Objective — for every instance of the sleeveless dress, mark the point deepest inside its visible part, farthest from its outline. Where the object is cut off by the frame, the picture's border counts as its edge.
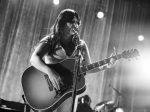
(59, 52)
(58, 55)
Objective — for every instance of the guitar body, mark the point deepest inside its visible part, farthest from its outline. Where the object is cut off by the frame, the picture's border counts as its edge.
(39, 92)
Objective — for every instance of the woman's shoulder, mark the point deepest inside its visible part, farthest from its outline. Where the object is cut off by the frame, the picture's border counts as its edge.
(47, 38)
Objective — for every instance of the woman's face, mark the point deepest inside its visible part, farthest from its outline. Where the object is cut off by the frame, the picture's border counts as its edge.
(71, 28)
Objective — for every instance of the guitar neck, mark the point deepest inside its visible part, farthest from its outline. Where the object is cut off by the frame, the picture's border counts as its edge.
(99, 63)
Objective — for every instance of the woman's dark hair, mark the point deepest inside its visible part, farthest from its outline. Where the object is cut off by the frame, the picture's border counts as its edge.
(65, 16)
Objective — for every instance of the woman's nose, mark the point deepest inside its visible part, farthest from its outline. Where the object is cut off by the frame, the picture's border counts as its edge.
(75, 27)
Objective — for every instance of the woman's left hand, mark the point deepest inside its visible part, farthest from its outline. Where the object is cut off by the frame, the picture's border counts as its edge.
(112, 60)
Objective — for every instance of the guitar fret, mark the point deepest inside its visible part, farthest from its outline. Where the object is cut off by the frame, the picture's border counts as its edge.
(106, 61)
(100, 63)
(89, 67)
(93, 65)
(96, 64)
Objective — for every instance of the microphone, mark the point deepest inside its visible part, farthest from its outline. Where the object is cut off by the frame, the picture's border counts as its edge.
(75, 38)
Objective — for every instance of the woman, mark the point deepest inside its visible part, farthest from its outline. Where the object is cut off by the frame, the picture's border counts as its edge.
(61, 44)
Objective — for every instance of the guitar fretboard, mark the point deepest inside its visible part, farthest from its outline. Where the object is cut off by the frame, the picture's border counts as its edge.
(99, 63)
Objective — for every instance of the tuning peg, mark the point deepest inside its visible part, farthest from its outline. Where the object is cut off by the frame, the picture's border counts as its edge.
(138, 58)
(115, 51)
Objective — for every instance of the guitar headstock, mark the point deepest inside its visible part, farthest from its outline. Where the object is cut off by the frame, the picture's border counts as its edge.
(130, 53)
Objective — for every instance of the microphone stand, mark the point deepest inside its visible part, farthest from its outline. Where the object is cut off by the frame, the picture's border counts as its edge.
(118, 95)
(115, 90)
(75, 78)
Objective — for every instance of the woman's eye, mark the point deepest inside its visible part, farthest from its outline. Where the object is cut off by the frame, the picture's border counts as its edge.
(69, 24)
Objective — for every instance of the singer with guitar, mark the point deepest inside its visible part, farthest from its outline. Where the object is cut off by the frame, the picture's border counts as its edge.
(48, 59)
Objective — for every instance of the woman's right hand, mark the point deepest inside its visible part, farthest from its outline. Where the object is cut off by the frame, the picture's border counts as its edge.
(54, 78)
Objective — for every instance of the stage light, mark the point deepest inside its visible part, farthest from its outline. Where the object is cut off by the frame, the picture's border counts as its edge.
(101, 9)
(100, 14)
(140, 37)
(56, 2)
(119, 110)
(138, 78)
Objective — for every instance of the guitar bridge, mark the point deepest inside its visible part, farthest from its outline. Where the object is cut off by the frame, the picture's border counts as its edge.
(50, 86)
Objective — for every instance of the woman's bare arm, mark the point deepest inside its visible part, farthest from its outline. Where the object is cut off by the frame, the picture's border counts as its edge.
(37, 61)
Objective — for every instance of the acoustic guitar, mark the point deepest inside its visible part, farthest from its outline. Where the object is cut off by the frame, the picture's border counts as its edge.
(39, 91)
